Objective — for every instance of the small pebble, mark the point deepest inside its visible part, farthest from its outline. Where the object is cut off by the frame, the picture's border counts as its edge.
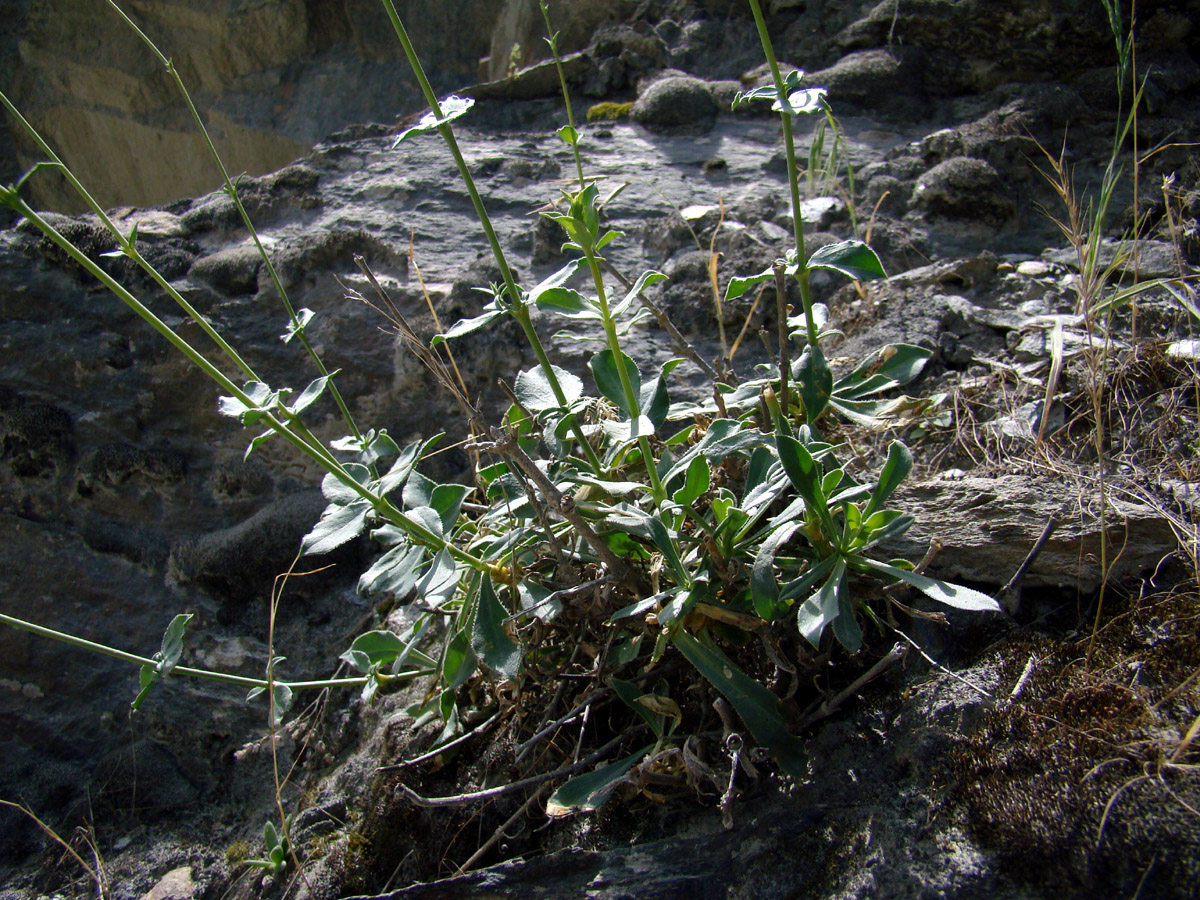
(1033, 268)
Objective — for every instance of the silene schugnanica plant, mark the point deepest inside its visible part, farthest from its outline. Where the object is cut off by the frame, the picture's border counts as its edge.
(613, 540)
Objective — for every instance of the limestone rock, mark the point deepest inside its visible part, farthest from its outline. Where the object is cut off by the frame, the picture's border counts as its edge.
(987, 526)
(677, 102)
(175, 885)
(963, 187)
(232, 271)
(90, 87)
(881, 79)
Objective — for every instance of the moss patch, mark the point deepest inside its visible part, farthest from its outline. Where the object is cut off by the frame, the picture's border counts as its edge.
(608, 112)
(1086, 778)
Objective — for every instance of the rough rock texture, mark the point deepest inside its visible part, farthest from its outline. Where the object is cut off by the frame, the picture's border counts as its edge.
(677, 102)
(124, 496)
(987, 526)
(270, 77)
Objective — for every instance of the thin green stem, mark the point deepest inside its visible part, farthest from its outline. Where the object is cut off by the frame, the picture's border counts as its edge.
(631, 398)
(297, 326)
(785, 363)
(517, 303)
(789, 145)
(314, 449)
(106, 650)
(127, 246)
(552, 40)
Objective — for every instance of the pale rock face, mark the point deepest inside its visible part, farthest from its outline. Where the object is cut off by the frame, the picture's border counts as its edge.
(271, 77)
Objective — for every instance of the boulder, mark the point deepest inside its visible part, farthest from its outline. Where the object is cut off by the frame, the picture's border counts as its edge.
(963, 188)
(676, 103)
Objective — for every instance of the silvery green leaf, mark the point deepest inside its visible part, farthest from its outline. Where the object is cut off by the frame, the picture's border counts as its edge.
(535, 393)
(606, 374)
(739, 286)
(337, 491)
(452, 107)
(303, 317)
(823, 607)
(802, 102)
(761, 710)
(172, 644)
(256, 442)
(397, 571)
(489, 640)
(309, 395)
(490, 314)
(260, 396)
(587, 793)
(791, 81)
(338, 525)
(942, 591)
(645, 280)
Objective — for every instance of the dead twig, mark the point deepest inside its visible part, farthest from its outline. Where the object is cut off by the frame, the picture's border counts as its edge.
(679, 342)
(1009, 596)
(523, 749)
(436, 751)
(502, 831)
(505, 445)
(474, 796)
(827, 708)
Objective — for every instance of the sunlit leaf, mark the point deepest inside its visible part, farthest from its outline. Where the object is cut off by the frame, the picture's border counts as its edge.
(791, 81)
(802, 102)
(805, 474)
(654, 400)
(375, 647)
(282, 696)
(309, 395)
(534, 391)
(696, 482)
(814, 381)
(587, 793)
(303, 317)
(822, 608)
(337, 491)
(440, 580)
(165, 660)
(171, 648)
(852, 258)
(645, 280)
(452, 107)
(465, 326)
(764, 588)
(895, 470)
(403, 466)
(260, 396)
(886, 368)
(950, 594)
(738, 286)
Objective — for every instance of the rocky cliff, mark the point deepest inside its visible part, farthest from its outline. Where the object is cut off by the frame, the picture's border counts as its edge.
(124, 496)
(271, 77)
